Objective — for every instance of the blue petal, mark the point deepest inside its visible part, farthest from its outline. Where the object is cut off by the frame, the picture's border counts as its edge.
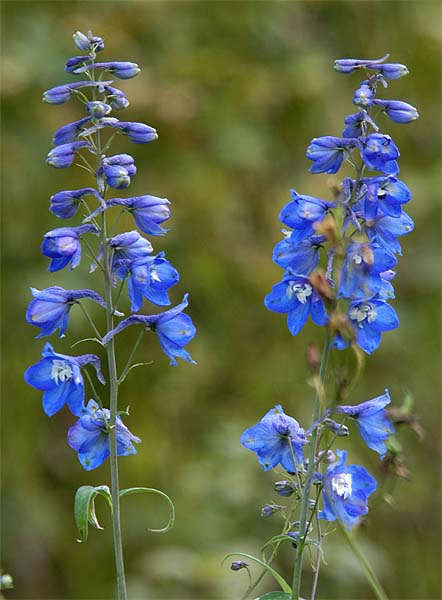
(297, 317)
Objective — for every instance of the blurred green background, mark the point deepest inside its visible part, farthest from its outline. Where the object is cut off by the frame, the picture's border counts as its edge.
(236, 91)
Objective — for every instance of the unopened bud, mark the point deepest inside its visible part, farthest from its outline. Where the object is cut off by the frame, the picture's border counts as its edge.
(269, 509)
(338, 429)
(237, 565)
(284, 488)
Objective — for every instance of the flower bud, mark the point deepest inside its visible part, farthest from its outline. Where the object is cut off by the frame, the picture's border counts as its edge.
(81, 41)
(269, 509)
(138, 133)
(63, 156)
(284, 488)
(116, 98)
(73, 63)
(398, 111)
(363, 96)
(237, 565)
(393, 70)
(326, 456)
(338, 429)
(116, 177)
(98, 109)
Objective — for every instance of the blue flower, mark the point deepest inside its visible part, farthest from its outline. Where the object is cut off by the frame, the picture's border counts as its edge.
(138, 133)
(360, 275)
(51, 307)
(346, 491)
(368, 320)
(348, 65)
(63, 156)
(303, 212)
(127, 247)
(59, 377)
(379, 153)
(327, 153)
(74, 62)
(98, 109)
(363, 96)
(147, 211)
(384, 193)
(384, 230)
(398, 111)
(274, 439)
(173, 328)
(357, 123)
(68, 133)
(373, 421)
(63, 246)
(88, 42)
(150, 277)
(295, 295)
(116, 98)
(301, 256)
(65, 204)
(118, 170)
(62, 93)
(121, 69)
(89, 436)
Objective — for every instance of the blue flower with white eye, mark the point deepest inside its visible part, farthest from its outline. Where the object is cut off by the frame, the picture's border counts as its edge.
(89, 437)
(173, 328)
(127, 247)
(296, 296)
(59, 377)
(151, 277)
(63, 246)
(379, 153)
(384, 230)
(369, 318)
(363, 96)
(345, 491)
(51, 307)
(374, 424)
(328, 153)
(277, 439)
(383, 193)
(360, 275)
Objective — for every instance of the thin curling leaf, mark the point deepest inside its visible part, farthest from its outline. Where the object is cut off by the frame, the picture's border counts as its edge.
(84, 508)
(141, 490)
(276, 596)
(278, 578)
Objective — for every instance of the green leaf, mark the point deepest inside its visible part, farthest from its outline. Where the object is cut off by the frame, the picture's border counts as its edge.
(84, 508)
(92, 339)
(140, 490)
(276, 596)
(282, 582)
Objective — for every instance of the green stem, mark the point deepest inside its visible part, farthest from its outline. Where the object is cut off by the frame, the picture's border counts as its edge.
(89, 318)
(369, 573)
(296, 584)
(129, 360)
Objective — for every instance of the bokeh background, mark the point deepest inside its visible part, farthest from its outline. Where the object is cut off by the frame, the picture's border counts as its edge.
(236, 91)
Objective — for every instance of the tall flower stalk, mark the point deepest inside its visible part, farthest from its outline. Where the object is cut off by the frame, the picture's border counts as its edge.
(338, 257)
(124, 258)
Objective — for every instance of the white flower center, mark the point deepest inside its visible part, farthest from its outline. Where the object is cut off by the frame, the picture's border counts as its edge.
(61, 371)
(154, 275)
(341, 485)
(361, 312)
(301, 290)
(357, 259)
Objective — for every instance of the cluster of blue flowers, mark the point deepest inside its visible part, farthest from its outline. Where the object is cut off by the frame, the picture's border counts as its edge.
(127, 257)
(338, 258)
(358, 256)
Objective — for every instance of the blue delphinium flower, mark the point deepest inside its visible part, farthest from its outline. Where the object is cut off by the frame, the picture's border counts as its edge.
(63, 247)
(150, 277)
(98, 109)
(65, 204)
(327, 153)
(51, 307)
(385, 229)
(373, 421)
(303, 212)
(118, 170)
(345, 492)
(63, 156)
(398, 111)
(89, 436)
(360, 275)
(68, 133)
(379, 153)
(173, 328)
(383, 193)
(296, 296)
(127, 247)
(59, 377)
(116, 98)
(369, 319)
(301, 256)
(276, 439)
(138, 133)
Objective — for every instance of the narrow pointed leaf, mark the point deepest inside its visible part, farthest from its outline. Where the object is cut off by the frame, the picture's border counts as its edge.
(140, 490)
(84, 508)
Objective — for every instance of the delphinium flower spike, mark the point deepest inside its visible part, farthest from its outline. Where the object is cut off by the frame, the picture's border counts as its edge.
(119, 258)
(338, 258)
